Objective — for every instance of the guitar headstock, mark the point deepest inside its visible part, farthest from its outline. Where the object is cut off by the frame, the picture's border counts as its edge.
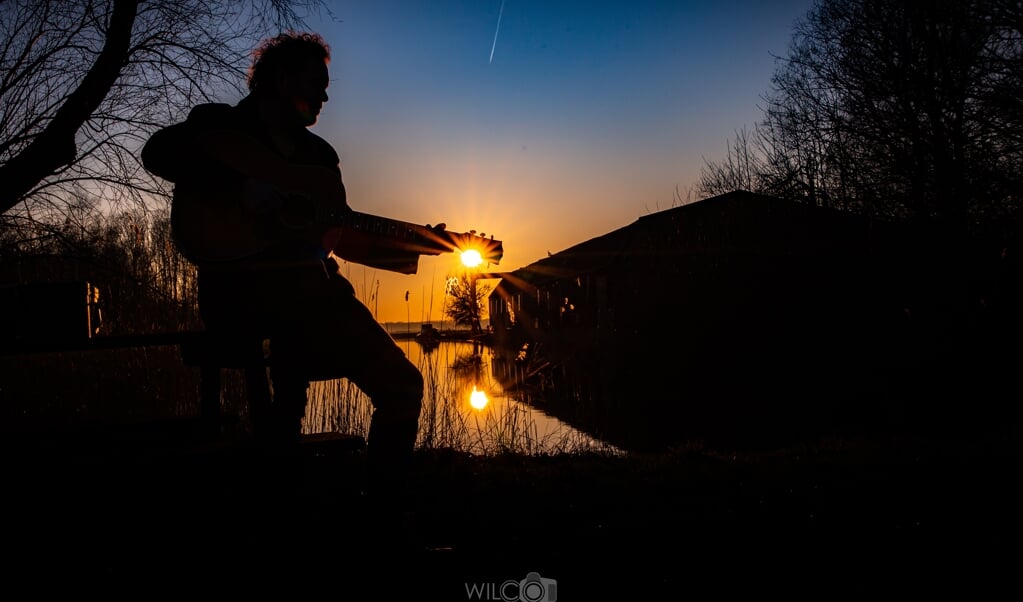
(490, 249)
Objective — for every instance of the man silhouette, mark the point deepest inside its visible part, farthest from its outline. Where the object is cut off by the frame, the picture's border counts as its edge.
(248, 180)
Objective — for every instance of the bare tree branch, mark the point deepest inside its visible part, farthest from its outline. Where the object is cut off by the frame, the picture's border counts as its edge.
(84, 82)
(55, 146)
(895, 109)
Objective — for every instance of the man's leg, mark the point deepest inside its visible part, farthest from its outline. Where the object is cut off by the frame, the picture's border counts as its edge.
(282, 429)
(339, 337)
(395, 388)
(389, 450)
(367, 356)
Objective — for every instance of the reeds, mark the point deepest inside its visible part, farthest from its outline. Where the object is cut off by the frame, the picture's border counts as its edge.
(448, 421)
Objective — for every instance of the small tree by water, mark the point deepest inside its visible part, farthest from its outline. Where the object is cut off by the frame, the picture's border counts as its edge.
(467, 300)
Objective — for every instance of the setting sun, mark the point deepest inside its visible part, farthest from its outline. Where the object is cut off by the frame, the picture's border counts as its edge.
(471, 258)
(478, 399)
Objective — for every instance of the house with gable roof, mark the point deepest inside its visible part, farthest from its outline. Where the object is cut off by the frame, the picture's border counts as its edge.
(739, 313)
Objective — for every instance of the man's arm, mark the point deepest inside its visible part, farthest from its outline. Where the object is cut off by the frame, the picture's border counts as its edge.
(173, 154)
(250, 158)
(202, 140)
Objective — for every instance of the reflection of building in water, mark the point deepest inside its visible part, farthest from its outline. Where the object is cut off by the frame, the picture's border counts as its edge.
(737, 314)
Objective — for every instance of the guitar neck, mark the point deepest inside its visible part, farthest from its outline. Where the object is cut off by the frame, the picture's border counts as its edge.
(396, 245)
(210, 229)
(430, 241)
(400, 232)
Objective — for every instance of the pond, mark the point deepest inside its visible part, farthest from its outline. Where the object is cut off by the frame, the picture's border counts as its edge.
(464, 408)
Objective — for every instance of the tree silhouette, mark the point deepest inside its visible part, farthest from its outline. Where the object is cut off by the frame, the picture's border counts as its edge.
(83, 83)
(900, 109)
(468, 300)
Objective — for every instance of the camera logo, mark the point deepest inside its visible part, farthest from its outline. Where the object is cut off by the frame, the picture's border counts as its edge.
(535, 588)
(532, 588)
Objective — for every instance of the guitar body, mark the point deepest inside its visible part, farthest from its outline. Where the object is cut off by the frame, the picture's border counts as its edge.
(210, 228)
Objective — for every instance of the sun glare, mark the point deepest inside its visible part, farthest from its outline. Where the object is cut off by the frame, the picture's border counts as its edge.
(471, 258)
(478, 399)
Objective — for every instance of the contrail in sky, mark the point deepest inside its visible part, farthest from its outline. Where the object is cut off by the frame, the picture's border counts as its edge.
(496, 31)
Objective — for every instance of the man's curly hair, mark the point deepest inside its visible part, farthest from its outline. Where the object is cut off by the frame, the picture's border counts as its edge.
(283, 51)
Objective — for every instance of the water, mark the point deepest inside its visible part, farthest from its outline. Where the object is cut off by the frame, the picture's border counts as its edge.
(455, 373)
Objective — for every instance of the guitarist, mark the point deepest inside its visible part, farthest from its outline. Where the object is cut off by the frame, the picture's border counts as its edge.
(245, 179)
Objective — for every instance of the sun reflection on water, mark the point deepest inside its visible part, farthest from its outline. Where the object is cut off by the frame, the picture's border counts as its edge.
(478, 399)
(492, 422)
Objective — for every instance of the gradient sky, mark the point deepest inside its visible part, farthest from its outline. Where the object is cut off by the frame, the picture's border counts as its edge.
(588, 116)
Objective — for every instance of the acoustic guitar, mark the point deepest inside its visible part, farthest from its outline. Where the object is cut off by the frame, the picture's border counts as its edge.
(211, 228)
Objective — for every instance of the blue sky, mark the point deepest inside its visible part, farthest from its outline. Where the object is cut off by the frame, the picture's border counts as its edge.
(588, 116)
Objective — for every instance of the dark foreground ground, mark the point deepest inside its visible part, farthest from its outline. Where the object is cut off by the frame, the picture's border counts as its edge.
(872, 516)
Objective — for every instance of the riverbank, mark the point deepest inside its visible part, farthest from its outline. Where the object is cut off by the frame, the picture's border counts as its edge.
(836, 517)
(446, 334)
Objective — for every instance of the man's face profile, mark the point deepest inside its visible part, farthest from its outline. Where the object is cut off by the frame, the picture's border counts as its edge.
(305, 88)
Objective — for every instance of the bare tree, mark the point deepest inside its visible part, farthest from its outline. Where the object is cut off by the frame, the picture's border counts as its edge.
(83, 83)
(890, 108)
(468, 300)
(741, 168)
